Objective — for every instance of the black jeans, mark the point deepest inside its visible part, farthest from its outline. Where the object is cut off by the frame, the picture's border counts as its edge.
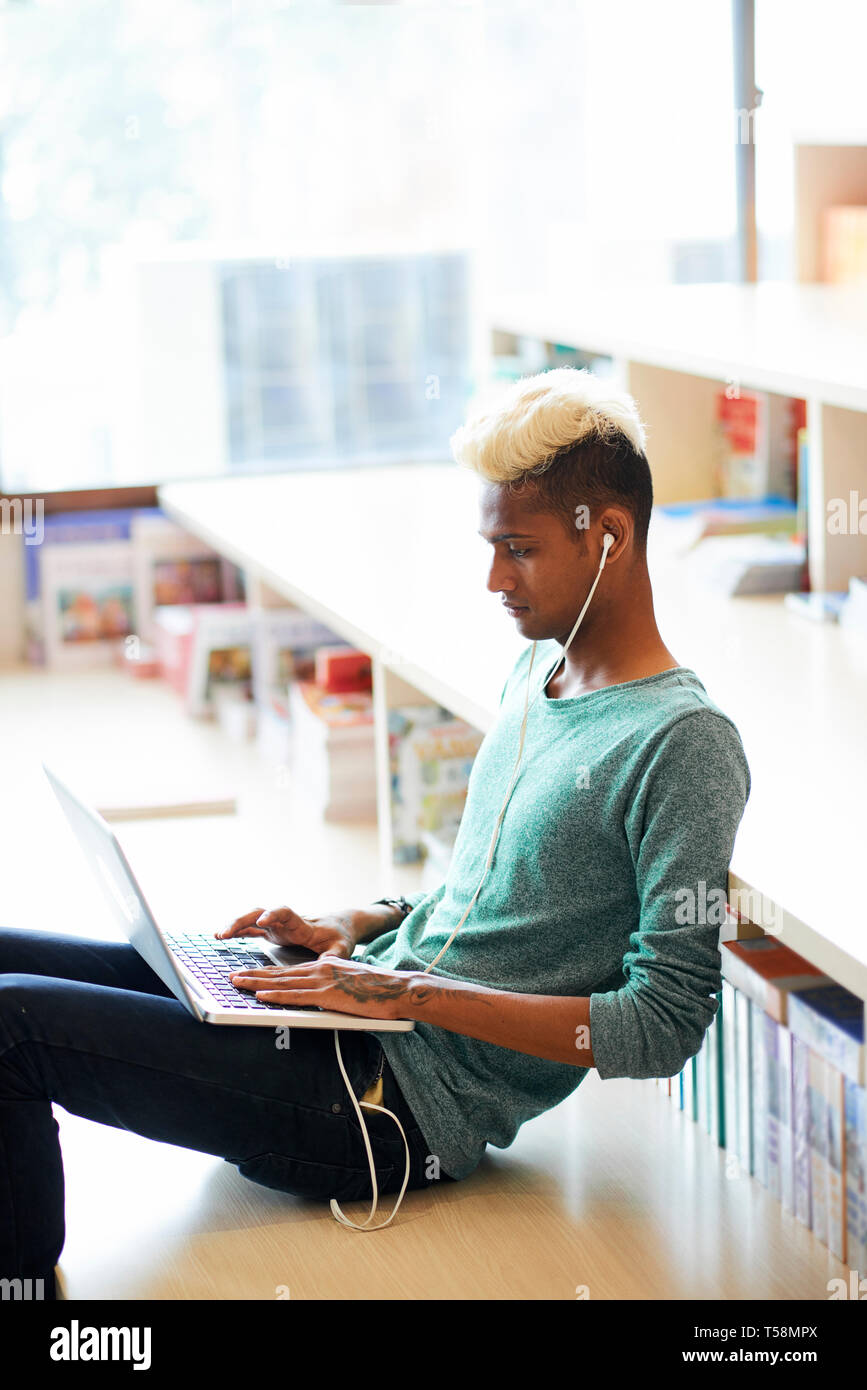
(88, 1024)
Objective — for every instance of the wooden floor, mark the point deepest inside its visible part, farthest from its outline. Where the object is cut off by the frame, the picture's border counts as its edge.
(614, 1195)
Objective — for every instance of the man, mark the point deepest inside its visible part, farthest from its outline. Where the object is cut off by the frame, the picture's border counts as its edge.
(575, 951)
(633, 784)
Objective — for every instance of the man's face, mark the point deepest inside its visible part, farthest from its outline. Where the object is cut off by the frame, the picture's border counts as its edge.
(543, 574)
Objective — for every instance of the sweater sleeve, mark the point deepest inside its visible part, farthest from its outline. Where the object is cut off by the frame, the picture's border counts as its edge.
(680, 822)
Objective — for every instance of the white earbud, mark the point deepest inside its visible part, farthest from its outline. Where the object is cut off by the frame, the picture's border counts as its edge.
(607, 542)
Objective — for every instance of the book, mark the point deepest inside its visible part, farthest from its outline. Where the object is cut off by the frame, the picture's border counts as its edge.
(830, 1019)
(785, 1117)
(855, 1123)
(333, 751)
(434, 761)
(744, 1081)
(407, 838)
(82, 528)
(285, 643)
(817, 607)
(172, 567)
(220, 654)
(87, 603)
(343, 668)
(759, 1096)
(684, 524)
(772, 1081)
(835, 1167)
(801, 1164)
(701, 1084)
(756, 440)
(689, 1090)
(818, 1144)
(173, 642)
(716, 1094)
(767, 971)
(730, 1069)
(737, 566)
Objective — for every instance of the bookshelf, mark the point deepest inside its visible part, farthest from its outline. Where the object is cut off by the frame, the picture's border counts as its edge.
(674, 347)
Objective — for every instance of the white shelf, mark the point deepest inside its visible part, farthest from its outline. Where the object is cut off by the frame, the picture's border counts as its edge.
(798, 340)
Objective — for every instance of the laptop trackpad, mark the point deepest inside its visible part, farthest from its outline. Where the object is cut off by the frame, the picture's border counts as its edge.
(290, 955)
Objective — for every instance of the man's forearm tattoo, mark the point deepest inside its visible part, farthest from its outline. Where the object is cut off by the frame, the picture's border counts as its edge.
(371, 988)
(367, 987)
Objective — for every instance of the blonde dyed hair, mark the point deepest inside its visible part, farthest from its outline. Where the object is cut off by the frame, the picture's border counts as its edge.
(534, 419)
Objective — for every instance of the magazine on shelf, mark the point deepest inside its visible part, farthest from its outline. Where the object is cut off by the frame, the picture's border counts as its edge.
(62, 529)
(173, 567)
(87, 603)
(219, 653)
(285, 642)
(434, 766)
(757, 443)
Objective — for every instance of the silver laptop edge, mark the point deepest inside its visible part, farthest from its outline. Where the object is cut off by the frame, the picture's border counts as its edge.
(112, 870)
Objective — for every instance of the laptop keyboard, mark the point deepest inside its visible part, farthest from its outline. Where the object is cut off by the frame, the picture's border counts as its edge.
(212, 962)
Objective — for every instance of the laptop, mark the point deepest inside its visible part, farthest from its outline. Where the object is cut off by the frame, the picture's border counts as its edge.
(194, 967)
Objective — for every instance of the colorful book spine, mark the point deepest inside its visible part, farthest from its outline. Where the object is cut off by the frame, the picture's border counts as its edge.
(835, 1166)
(689, 1100)
(701, 1084)
(830, 1019)
(730, 1069)
(855, 1118)
(744, 1055)
(772, 1081)
(818, 1137)
(784, 1112)
(715, 1123)
(759, 1155)
(801, 1163)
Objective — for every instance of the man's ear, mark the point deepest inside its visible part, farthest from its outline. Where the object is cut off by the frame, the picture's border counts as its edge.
(616, 522)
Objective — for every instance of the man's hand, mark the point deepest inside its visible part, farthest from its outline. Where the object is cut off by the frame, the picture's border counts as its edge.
(334, 934)
(347, 986)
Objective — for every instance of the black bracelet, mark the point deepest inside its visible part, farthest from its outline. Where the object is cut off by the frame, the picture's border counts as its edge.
(401, 903)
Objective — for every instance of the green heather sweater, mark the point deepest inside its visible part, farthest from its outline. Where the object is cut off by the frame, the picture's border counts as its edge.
(627, 797)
